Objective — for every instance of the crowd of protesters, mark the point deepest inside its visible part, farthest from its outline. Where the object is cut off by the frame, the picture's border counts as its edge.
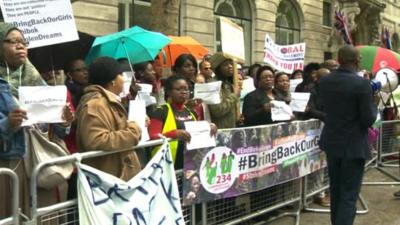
(96, 115)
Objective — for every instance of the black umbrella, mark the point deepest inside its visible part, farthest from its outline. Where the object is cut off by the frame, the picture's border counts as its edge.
(54, 57)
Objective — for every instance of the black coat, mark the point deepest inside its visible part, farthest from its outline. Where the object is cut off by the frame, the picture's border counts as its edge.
(347, 100)
(253, 108)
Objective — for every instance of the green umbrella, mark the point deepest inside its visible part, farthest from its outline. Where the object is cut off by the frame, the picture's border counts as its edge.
(136, 44)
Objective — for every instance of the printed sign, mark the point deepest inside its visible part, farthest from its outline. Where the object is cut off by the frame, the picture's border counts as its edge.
(252, 159)
(232, 39)
(44, 104)
(44, 22)
(286, 58)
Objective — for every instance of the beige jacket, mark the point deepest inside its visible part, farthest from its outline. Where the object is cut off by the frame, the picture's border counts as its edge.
(102, 125)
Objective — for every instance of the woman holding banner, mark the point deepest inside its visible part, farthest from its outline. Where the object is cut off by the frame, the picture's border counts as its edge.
(168, 120)
(102, 121)
(257, 104)
(15, 71)
(282, 87)
(224, 114)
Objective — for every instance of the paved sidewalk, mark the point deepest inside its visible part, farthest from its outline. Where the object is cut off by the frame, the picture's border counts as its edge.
(384, 209)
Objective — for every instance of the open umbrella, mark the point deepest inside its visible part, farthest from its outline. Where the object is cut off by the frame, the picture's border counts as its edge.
(181, 45)
(54, 57)
(136, 44)
(373, 58)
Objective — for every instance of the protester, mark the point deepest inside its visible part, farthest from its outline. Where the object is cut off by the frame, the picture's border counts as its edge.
(347, 100)
(252, 71)
(314, 107)
(77, 79)
(186, 65)
(225, 114)
(16, 71)
(297, 74)
(205, 70)
(330, 64)
(282, 87)
(309, 75)
(158, 83)
(168, 120)
(257, 104)
(145, 73)
(102, 121)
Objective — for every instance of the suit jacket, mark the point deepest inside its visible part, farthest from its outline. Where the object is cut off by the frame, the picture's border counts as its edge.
(253, 108)
(347, 100)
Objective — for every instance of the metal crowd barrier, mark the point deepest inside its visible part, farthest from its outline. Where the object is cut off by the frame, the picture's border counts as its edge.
(248, 206)
(15, 197)
(318, 182)
(388, 153)
(65, 213)
(225, 211)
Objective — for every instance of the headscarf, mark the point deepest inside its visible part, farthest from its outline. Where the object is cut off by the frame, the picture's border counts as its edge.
(25, 75)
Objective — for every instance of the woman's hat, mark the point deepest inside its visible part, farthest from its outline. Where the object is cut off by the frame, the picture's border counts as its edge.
(103, 70)
(217, 59)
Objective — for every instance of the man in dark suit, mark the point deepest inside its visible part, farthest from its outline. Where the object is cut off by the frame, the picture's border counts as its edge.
(347, 100)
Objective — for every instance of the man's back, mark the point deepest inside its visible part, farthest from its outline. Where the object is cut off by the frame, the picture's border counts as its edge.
(347, 101)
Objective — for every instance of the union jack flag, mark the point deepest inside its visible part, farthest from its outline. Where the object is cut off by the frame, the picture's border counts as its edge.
(342, 28)
(387, 42)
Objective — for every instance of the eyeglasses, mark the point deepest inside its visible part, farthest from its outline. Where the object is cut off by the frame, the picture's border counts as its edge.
(15, 42)
(82, 69)
(182, 90)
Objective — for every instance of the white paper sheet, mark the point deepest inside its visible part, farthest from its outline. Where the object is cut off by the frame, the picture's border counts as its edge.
(44, 104)
(200, 135)
(137, 113)
(248, 85)
(127, 83)
(294, 83)
(299, 101)
(280, 111)
(208, 92)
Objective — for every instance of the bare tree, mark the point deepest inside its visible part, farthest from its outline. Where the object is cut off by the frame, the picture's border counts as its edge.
(165, 16)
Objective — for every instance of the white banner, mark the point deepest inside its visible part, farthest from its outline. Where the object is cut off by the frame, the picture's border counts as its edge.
(151, 197)
(200, 133)
(208, 92)
(232, 39)
(286, 58)
(137, 113)
(299, 101)
(44, 104)
(281, 111)
(44, 22)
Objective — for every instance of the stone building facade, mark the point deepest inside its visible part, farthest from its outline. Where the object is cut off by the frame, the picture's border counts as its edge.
(289, 21)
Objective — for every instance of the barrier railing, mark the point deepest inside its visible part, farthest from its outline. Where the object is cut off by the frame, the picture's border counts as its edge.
(388, 153)
(15, 197)
(225, 211)
(258, 203)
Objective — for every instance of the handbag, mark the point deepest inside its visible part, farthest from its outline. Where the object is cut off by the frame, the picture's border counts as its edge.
(42, 147)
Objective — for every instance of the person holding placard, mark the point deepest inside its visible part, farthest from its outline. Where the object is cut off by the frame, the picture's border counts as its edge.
(15, 71)
(168, 120)
(102, 121)
(281, 87)
(225, 115)
(257, 104)
(186, 66)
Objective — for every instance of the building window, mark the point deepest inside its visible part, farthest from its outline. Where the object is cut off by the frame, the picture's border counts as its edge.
(287, 24)
(238, 11)
(327, 13)
(138, 13)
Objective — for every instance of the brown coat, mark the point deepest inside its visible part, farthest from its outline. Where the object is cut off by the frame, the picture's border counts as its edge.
(102, 125)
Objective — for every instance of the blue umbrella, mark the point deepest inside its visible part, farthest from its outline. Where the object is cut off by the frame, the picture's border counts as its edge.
(136, 44)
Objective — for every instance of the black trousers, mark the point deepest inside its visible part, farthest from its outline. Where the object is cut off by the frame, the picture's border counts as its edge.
(345, 178)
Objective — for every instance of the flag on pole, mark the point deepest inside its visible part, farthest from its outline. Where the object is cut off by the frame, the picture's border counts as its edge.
(386, 40)
(342, 28)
